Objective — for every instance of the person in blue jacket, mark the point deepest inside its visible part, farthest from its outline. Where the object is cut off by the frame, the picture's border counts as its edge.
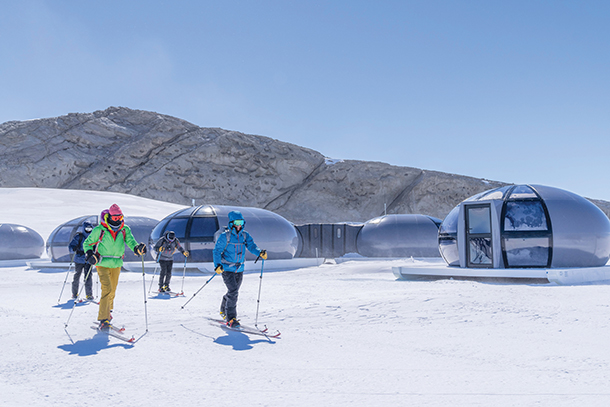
(80, 265)
(229, 257)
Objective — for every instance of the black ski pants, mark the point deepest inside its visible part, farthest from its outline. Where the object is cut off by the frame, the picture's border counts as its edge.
(84, 270)
(166, 272)
(229, 300)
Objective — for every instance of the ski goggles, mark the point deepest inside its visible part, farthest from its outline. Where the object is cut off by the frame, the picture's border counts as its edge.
(238, 222)
(116, 218)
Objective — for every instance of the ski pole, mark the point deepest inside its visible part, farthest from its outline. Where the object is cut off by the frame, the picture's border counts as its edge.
(258, 300)
(153, 279)
(206, 283)
(183, 274)
(77, 296)
(154, 273)
(66, 279)
(144, 289)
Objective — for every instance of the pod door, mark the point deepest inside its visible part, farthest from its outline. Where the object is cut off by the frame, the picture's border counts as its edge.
(478, 235)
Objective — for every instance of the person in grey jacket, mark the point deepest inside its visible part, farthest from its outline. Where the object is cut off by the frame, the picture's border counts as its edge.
(166, 246)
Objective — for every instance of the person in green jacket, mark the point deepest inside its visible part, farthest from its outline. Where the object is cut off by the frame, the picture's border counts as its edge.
(105, 248)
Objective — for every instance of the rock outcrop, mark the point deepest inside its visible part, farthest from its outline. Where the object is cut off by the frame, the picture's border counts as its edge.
(161, 157)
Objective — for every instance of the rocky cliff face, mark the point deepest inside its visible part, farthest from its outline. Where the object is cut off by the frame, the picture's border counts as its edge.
(165, 158)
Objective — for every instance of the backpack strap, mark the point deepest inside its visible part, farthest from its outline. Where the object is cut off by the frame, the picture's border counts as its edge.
(222, 260)
(100, 239)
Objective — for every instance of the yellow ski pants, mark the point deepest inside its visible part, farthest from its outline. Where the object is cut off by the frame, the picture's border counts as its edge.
(109, 278)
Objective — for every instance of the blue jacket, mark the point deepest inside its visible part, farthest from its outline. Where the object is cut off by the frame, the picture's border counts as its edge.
(231, 254)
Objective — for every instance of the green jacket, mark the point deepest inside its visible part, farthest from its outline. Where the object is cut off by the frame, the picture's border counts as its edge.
(111, 249)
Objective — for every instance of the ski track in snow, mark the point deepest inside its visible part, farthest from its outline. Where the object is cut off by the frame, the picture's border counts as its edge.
(351, 335)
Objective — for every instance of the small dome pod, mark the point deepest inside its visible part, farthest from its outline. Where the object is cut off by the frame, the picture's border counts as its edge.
(19, 242)
(399, 236)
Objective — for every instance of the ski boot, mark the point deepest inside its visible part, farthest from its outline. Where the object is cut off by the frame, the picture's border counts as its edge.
(104, 325)
(223, 315)
(233, 323)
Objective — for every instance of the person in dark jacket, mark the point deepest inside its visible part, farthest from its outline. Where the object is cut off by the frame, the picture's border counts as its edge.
(166, 246)
(229, 257)
(80, 265)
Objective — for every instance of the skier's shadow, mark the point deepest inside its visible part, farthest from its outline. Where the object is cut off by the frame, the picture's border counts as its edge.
(238, 340)
(70, 304)
(163, 297)
(92, 346)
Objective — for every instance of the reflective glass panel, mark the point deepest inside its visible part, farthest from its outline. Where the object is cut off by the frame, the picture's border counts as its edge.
(63, 235)
(205, 210)
(479, 220)
(522, 191)
(495, 194)
(450, 224)
(203, 227)
(527, 252)
(201, 251)
(178, 225)
(525, 216)
(480, 250)
(477, 196)
(449, 250)
(158, 230)
(185, 212)
(61, 253)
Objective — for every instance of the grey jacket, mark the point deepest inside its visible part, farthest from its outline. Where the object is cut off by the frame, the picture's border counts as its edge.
(166, 249)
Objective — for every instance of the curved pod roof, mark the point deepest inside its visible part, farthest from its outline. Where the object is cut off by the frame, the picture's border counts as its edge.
(19, 242)
(399, 236)
(195, 228)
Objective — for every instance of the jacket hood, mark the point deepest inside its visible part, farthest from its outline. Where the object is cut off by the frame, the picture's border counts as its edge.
(235, 215)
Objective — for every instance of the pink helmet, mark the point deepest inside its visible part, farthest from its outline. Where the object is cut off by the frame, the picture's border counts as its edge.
(115, 210)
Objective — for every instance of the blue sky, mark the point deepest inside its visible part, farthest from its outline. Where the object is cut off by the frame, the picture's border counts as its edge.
(514, 91)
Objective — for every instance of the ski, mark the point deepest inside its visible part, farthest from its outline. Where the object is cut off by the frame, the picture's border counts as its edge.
(84, 300)
(243, 328)
(114, 328)
(170, 293)
(115, 332)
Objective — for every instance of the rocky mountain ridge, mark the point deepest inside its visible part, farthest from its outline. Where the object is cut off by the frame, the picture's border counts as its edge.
(165, 158)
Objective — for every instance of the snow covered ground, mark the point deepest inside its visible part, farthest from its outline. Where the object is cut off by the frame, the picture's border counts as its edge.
(351, 335)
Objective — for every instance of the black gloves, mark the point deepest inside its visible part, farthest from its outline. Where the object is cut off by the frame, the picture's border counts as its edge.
(140, 249)
(91, 258)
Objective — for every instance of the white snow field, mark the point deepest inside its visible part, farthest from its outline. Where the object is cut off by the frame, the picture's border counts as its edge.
(352, 335)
